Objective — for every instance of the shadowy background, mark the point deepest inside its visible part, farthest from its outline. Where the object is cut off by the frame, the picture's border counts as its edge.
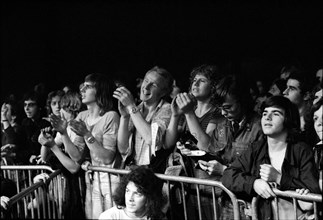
(59, 42)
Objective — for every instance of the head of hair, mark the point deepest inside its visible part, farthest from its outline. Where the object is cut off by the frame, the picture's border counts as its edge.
(281, 84)
(71, 102)
(292, 118)
(234, 86)
(50, 96)
(167, 79)
(34, 96)
(306, 83)
(104, 91)
(211, 72)
(148, 184)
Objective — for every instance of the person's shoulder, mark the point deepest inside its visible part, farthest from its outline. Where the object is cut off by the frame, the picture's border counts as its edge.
(301, 146)
(111, 213)
(82, 114)
(111, 116)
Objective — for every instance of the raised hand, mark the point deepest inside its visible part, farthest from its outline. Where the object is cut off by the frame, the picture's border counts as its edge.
(45, 138)
(122, 109)
(176, 111)
(79, 127)
(4, 111)
(58, 123)
(185, 102)
(124, 96)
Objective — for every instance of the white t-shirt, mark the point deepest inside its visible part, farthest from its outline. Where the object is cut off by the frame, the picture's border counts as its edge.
(115, 214)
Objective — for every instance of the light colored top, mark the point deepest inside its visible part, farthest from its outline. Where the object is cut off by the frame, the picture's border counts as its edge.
(105, 131)
(115, 214)
(161, 117)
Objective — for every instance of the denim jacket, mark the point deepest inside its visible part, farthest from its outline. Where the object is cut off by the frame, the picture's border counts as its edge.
(226, 146)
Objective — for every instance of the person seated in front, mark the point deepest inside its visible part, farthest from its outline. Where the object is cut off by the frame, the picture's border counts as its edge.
(138, 196)
(279, 160)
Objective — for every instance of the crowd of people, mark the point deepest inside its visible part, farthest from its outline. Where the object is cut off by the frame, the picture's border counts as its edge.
(253, 138)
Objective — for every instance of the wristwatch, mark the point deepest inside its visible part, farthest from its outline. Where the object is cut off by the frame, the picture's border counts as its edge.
(90, 139)
(133, 109)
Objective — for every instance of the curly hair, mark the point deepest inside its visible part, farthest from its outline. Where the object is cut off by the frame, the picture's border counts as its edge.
(212, 73)
(50, 96)
(148, 184)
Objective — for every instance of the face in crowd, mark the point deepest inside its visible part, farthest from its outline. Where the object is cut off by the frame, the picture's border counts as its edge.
(55, 105)
(88, 93)
(231, 108)
(201, 87)
(152, 88)
(135, 200)
(293, 92)
(317, 118)
(31, 108)
(272, 121)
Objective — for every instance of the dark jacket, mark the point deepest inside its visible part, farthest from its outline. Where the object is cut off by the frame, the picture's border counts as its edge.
(298, 171)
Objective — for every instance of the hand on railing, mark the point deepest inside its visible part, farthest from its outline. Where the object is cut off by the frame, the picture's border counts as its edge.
(85, 165)
(41, 177)
(263, 189)
(304, 205)
(4, 202)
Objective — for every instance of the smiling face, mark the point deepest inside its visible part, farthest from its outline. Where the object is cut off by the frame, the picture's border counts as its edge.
(88, 92)
(201, 87)
(135, 201)
(152, 88)
(272, 121)
(317, 118)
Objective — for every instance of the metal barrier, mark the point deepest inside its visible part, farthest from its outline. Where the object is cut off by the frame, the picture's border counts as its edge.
(23, 175)
(182, 181)
(42, 200)
(311, 197)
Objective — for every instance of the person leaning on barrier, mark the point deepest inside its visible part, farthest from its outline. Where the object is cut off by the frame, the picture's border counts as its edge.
(234, 132)
(53, 153)
(279, 160)
(138, 196)
(97, 127)
(136, 134)
(192, 113)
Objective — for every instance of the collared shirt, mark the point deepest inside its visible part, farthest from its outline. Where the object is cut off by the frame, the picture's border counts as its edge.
(161, 116)
(227, 146)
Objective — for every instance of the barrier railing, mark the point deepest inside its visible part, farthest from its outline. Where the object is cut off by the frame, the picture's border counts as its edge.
(23, 175)
(42, 200)
(316, 199)
(181, 180)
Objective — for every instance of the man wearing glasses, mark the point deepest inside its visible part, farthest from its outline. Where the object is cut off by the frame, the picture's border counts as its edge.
(234, 132)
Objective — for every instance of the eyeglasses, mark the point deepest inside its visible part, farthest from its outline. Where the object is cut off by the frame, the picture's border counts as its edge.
(226, 108)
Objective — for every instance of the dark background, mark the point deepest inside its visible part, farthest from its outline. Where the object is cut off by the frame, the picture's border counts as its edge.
(58, 42)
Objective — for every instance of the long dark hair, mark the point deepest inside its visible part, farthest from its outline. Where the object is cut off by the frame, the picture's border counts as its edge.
(104, 91)
(148, 184)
